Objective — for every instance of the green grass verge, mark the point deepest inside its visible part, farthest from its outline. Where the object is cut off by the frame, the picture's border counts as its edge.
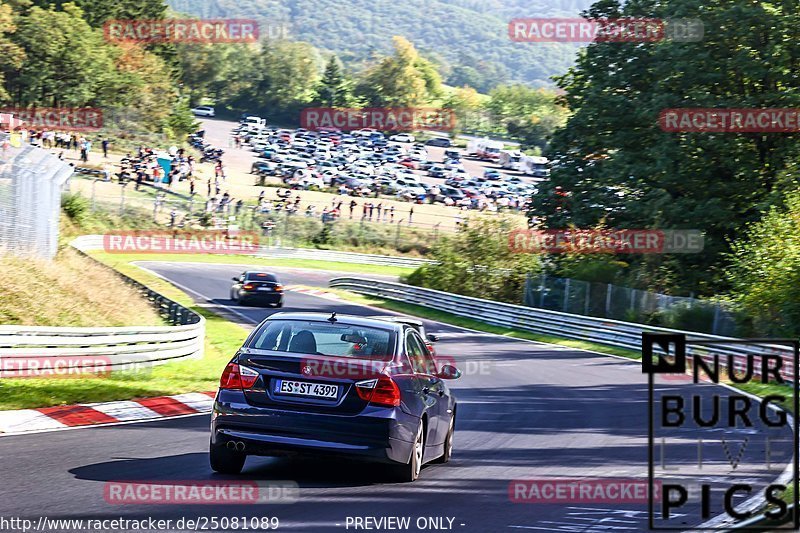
(119, 259)
(455, 320)
(223, 338)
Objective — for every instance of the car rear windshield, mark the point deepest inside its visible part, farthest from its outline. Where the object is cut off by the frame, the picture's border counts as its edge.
(323, 338)
(260, 276)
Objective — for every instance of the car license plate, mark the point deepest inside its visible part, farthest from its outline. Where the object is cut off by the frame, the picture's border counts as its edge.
(265, 288)
(303, 388)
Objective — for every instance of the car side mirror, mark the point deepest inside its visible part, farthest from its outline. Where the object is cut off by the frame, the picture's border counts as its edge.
(235, 278)
(449, 372)
(433, 338)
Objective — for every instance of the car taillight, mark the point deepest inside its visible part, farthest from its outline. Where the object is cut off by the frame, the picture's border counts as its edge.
(279, 288)
(380, 391)
(248, 287)
(237, 377)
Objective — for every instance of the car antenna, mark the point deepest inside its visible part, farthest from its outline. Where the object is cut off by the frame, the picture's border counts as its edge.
(332, 319)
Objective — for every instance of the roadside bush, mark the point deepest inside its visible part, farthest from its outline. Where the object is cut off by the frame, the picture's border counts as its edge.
(74, 205)
(600, 268)
(764, 272)
(690, 318)
(477, 261)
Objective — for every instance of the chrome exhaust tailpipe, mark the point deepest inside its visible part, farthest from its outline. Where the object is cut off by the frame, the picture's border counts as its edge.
(240, 446)
(230, 445)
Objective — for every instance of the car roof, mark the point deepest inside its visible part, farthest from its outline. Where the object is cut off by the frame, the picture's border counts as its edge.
(399, 319)
(352, 320)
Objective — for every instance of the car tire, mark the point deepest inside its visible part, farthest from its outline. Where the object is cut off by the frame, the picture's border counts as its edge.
(279, 304)
(225, 461)
(448, 444)
(408, 472)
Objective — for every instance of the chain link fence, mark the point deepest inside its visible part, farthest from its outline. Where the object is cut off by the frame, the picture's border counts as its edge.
(615, 302)
(31, 181)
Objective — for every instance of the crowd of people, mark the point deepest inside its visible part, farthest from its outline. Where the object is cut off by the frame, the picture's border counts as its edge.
(65, 140)
(158, 169)
(163, 169)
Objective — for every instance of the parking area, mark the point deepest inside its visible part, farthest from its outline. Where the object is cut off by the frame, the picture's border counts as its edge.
(370, 165)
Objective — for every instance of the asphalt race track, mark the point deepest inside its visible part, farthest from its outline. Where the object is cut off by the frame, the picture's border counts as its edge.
(526, 411)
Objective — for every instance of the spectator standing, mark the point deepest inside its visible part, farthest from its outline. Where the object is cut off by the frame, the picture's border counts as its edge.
(352, 206)
(410, 214)
(84, 151)
(105, 144)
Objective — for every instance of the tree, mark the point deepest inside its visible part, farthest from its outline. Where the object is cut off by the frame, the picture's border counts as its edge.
(180, 120)
(97, 12)
(478, 261)
(403, 79)
(464, 102)
(618, 166)
(67, 62)
(529, 114)
(141, 88)
(335, 89)
(218, 71)
(283, 80)
(764, 272)
(11, 54)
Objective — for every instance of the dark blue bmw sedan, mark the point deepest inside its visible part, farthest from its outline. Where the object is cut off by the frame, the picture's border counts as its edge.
(327, 385)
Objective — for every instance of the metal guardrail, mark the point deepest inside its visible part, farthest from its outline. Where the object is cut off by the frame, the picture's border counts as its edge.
(95, 242)
(105, 349)
(542, 321)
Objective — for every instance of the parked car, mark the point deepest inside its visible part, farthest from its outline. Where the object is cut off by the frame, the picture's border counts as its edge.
(263, 167)
(203, 111)
(453, 154)
(439, 141)
(409, 163)
(257, 287)
(327, 385)
(491, 174)
(402, 138)
(437, 171)
(449, 192)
